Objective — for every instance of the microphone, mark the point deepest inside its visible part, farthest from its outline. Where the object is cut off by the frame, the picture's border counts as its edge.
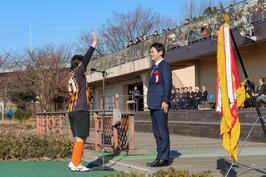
(93, 69)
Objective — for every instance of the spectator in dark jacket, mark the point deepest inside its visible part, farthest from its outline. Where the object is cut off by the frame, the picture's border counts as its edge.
(261, 92)
(191, 98)
(185, 98)
(173, 101)
(204, 96)
(197, 96)
(250, 90)
(178, 98)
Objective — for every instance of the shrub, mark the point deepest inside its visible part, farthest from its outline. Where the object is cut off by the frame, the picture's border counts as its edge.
(21, 114)
(126, 175)
(29, 146)
(170, 172)
(180, 173)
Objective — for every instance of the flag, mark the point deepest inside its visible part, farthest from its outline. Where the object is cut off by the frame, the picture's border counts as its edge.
(230, 94)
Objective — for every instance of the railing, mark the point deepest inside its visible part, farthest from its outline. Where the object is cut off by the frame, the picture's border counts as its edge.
(120, 138)
(129, 103)
(52, 122)
(126, 103)
(133, 103)
(241, 15)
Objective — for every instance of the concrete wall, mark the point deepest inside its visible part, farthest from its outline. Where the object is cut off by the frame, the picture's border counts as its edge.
(124, 69)
(202, 123)
(186, 76)
(254, 58)
(207, 73)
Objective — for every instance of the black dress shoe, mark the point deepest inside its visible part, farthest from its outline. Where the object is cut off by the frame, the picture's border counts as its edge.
(162, 163)
(150, 164)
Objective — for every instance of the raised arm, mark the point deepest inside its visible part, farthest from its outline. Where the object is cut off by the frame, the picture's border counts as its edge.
(87, 56)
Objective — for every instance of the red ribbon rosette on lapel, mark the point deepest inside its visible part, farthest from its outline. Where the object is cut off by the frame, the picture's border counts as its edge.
(156, 74)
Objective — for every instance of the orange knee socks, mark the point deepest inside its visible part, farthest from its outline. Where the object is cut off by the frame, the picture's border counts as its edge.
(77, 152)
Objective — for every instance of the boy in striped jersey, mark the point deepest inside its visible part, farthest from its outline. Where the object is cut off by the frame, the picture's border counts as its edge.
(78, 105)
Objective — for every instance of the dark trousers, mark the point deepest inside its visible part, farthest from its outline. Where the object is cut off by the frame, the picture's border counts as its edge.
(161, 133)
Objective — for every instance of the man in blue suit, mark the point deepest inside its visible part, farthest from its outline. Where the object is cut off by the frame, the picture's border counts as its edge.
(159, 91)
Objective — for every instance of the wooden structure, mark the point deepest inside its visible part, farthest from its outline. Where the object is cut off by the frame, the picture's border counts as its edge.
(120, 138)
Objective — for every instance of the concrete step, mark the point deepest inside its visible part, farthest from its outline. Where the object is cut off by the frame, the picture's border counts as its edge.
(203, 129)
(245, 115)
(201, 123)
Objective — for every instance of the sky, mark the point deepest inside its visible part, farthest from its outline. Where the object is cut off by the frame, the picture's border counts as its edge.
(59, 22)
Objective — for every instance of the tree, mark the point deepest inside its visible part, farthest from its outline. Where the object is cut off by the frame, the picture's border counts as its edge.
(1, 62)
(115, 34)
(40, 75)
(210, 11)
(204, 4)
(191, 9)
(201, 8)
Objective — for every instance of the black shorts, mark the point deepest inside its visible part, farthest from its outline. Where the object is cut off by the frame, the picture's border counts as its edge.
(79, 123)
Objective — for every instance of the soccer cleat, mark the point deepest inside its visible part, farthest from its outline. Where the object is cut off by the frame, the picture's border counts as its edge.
(70, 165)
(80, 167)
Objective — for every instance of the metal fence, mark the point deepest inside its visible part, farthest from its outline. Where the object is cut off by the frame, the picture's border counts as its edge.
(126, 103)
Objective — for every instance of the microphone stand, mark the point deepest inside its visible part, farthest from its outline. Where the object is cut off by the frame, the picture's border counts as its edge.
(103, 167)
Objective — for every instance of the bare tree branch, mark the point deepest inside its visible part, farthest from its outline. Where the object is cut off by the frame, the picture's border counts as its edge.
(123, 27)
(41, 74)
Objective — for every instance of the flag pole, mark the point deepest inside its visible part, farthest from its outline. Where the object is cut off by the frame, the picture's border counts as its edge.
(260, 117)
(249, 84)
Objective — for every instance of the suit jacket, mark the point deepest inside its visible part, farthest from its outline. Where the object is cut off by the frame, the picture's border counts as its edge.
(186, 95)
(160, 91)
(178, 96)
(261, 90)
(197, 95)
(204, 96)
(191, 94)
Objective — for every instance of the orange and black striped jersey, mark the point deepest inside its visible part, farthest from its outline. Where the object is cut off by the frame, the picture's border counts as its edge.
(73, 92)
(77, 90)
(77, 85)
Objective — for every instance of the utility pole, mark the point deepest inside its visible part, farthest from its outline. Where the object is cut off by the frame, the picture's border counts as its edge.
(30, 37)
(5, 103)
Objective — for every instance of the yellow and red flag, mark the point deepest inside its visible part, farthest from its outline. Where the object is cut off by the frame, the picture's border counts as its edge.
(229, 92)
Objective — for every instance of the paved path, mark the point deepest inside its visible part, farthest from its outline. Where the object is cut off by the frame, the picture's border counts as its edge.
(189, 153)
(43, 169)
(192, 153)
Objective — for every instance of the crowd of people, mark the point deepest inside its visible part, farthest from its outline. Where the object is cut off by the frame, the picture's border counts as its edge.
(259, 93)
(199, 28)
(202, 27)
(144, 38)
(186, 98)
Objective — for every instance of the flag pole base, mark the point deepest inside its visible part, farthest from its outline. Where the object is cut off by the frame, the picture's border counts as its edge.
(249, 168)
(226, 172)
